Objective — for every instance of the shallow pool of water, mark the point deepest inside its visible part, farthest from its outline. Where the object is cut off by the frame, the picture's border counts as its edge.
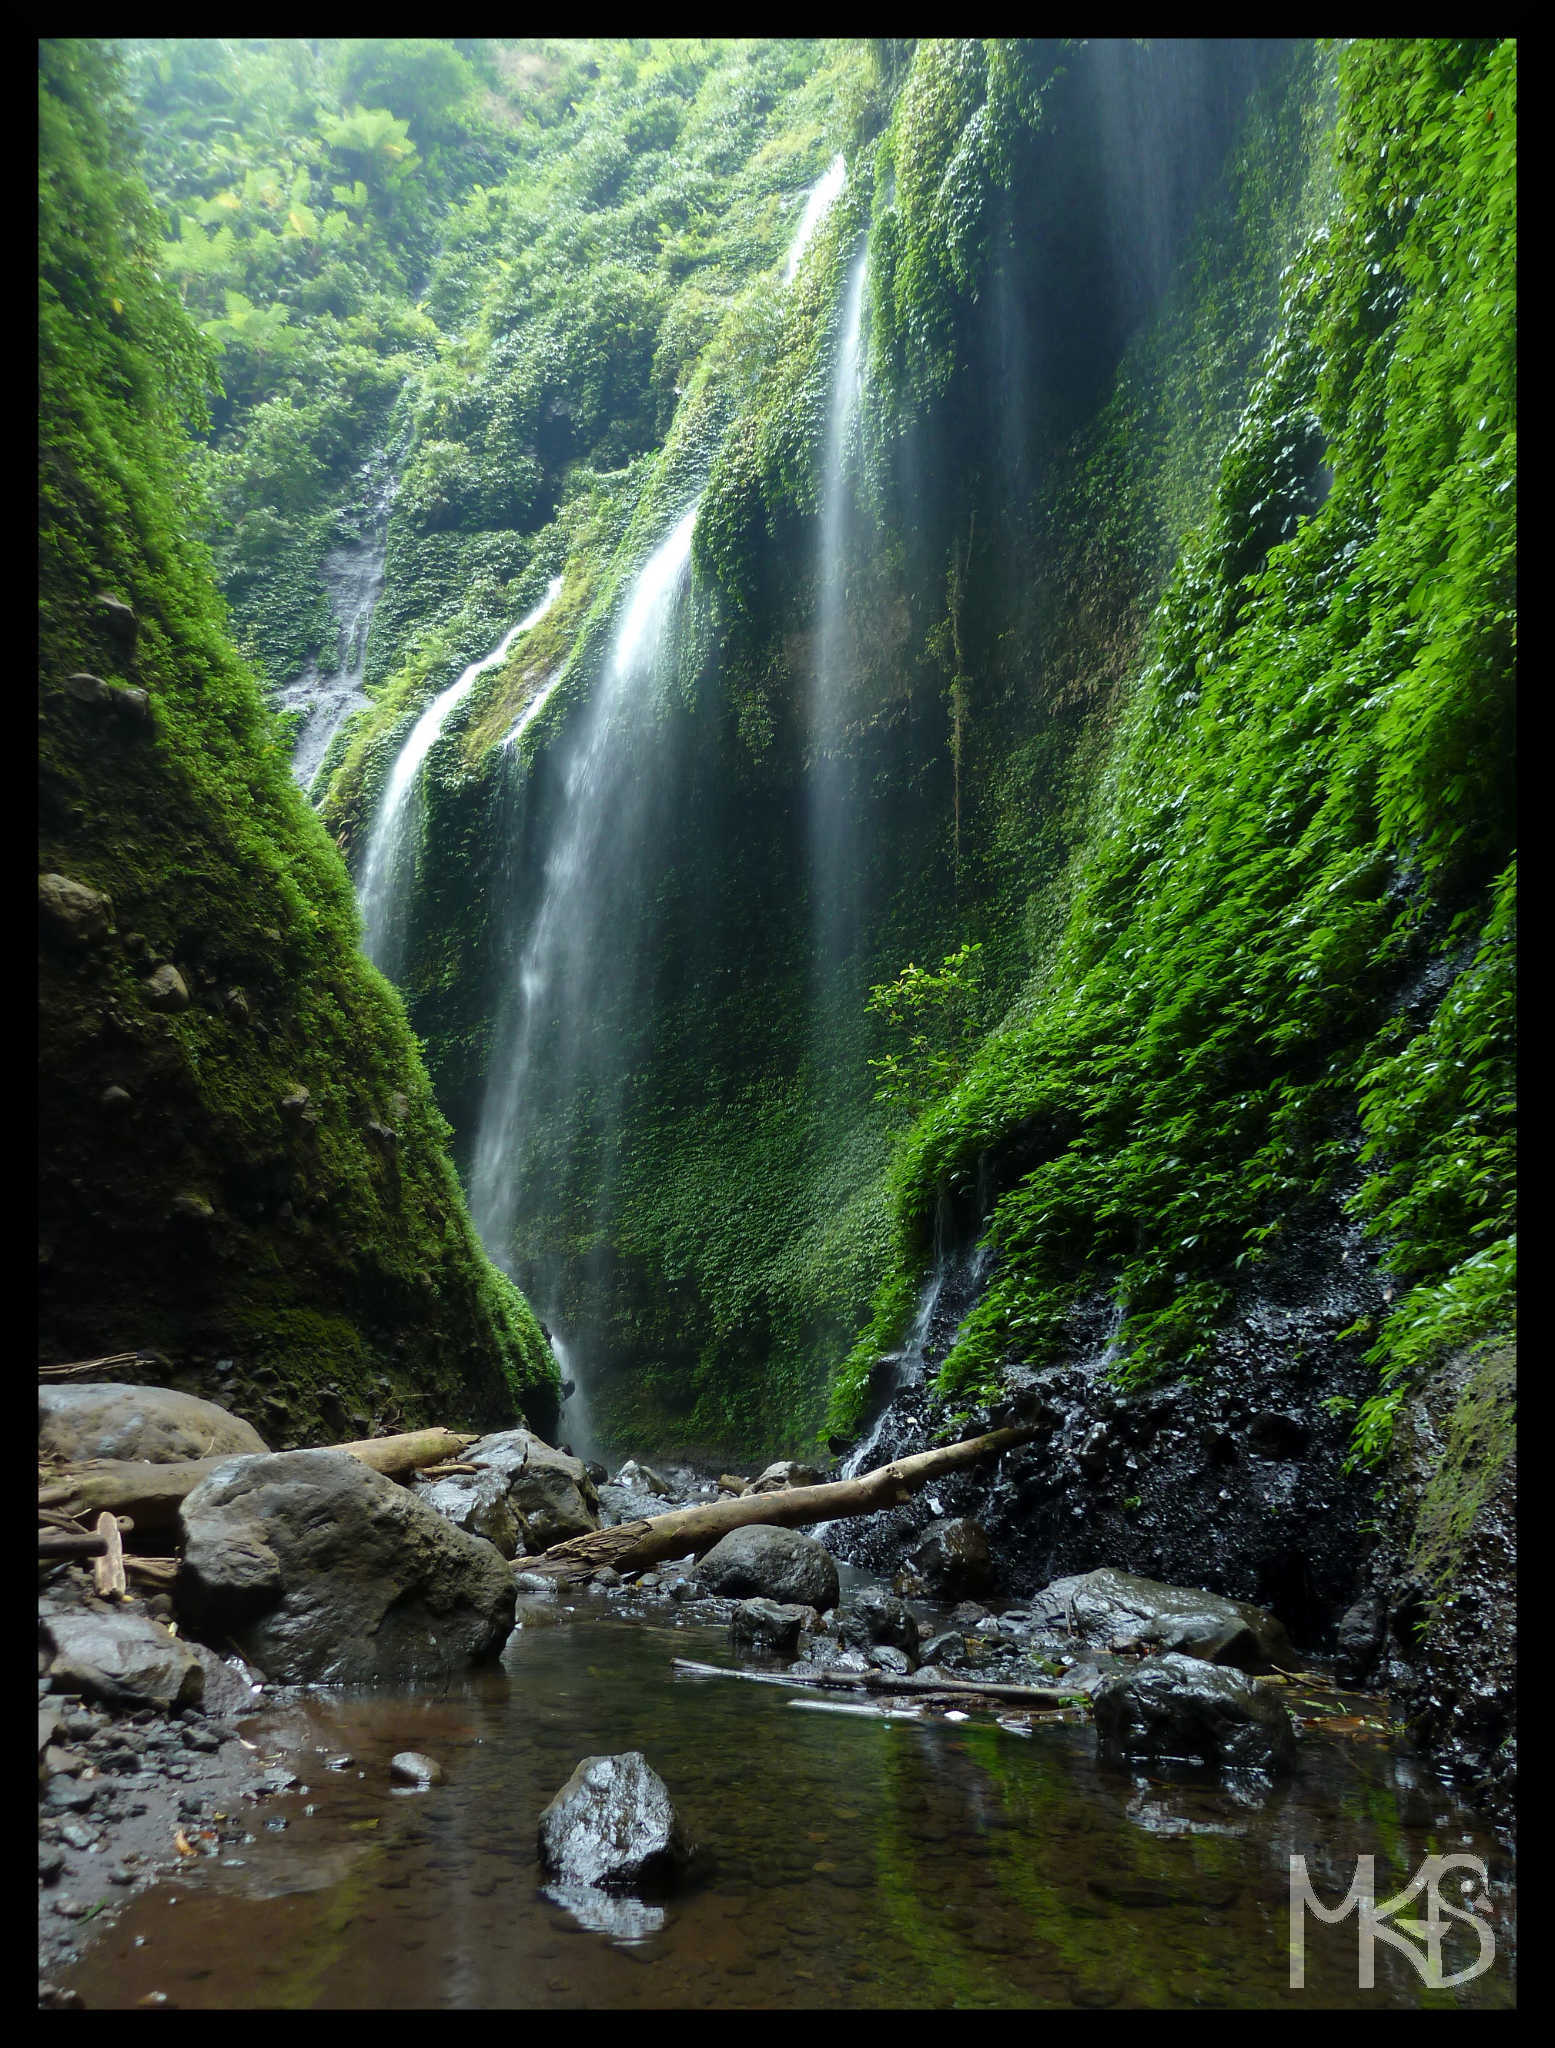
(849, 1860)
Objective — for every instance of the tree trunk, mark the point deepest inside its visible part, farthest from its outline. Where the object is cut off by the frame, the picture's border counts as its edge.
(153, 1494)
(894, 1683)
(633, 1546)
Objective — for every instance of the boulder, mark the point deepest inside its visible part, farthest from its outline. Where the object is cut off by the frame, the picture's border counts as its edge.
(762, 1562)
(71, 912)
(952, 1559)
(1109, 1606)
(322, 1571)
(1180, 1708)
(552, 1492)
(612, 1826)
(151, 1425)
(870, 1617)
(769, 1625)
(121, 1656)
(786, 1472)
(1361, 1630)
(478, 1502)
(117, 616)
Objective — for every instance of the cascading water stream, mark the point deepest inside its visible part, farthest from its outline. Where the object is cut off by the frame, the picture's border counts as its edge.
(822, 197)
(383, 890)
(353, 576)
(567, 967)
(833, 828)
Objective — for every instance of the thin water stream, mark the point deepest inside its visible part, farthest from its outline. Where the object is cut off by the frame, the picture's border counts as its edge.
(850, 1860)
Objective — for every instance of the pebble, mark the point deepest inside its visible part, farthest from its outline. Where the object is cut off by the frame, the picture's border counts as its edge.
(50, 1863)
(410, 1767)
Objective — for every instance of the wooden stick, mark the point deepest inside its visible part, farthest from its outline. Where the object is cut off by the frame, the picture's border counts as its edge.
(108, 1570)
(631, 1546)
(71, 1543)
(85, 1368)
(887, 1681)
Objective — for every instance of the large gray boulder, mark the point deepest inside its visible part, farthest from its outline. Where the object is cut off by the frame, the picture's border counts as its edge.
(1108, 1606)
(320, 1570)
(1180, 1708)
(612, 1826)
(154, 1425)
(121, 1656)
(871, 1618)
(762, 1562)
(552, 1491)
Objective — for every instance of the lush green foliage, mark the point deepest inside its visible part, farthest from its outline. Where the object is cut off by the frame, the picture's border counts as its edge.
(933, 1020)
(1309, 811)
(319, 1257)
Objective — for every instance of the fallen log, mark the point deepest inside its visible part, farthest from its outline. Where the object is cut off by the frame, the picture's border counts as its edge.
(154, 1493)
(889, 1682)
(71, 1543)
(633, 1546)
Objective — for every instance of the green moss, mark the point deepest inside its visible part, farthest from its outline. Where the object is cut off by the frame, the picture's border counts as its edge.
(1479, 1437)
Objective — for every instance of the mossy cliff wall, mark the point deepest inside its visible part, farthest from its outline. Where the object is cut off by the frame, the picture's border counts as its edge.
(241, 1163)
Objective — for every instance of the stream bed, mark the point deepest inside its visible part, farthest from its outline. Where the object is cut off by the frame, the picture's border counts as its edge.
(851, 1858)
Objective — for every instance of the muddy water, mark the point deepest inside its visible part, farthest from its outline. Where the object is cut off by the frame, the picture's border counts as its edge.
(851, 1860)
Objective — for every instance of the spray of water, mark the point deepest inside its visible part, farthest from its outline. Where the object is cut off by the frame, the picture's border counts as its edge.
(822, 197)
(566, 970)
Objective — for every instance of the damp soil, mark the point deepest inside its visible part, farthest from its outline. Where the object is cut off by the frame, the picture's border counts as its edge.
(849, 1858)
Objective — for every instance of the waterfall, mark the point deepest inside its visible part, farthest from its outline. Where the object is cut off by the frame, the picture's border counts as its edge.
(832, 826)
(352, 574)
(817, 206)
(555, 1032)
(382, 892)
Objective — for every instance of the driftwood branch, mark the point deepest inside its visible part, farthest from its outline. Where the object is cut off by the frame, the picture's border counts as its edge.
(93, 1368)
(888, 1682)
(633, 1546)
(154, 1493)
(108, 1570)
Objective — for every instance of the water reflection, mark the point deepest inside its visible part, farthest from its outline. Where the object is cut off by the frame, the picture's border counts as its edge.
(859, 1860)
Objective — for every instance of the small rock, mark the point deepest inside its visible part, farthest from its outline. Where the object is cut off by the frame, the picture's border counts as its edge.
(117, 616)
(75, 1834)
(115, 1098)
(410, 1767)
(72, 912)
(769, 1625)
(166, 989)
(953, 1557)
(612, 1825)
(1182, 1708)
(88, 689)
(51, 1862)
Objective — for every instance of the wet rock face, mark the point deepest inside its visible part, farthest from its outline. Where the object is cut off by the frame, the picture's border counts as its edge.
(1107, 1607)
(612, 1826)
(1234, 1481)
(324, 1572)
(152, 1425)
(1180, 1708)
(478, 1502)
(774, 1564)
(1445, 1574)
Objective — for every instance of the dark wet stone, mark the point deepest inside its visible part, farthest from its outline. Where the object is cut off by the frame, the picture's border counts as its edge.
(322, 1571)
(771, 1625)
(70, 1795)
(51, 1862)
(478, 1503)
(761, 1561)
(1176, 1707)
(872, 1616)
(952, 1557)
(1273, 1435)
(410, 1767)
(1109, 1606)
(886, 1657)
(612, 1825)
